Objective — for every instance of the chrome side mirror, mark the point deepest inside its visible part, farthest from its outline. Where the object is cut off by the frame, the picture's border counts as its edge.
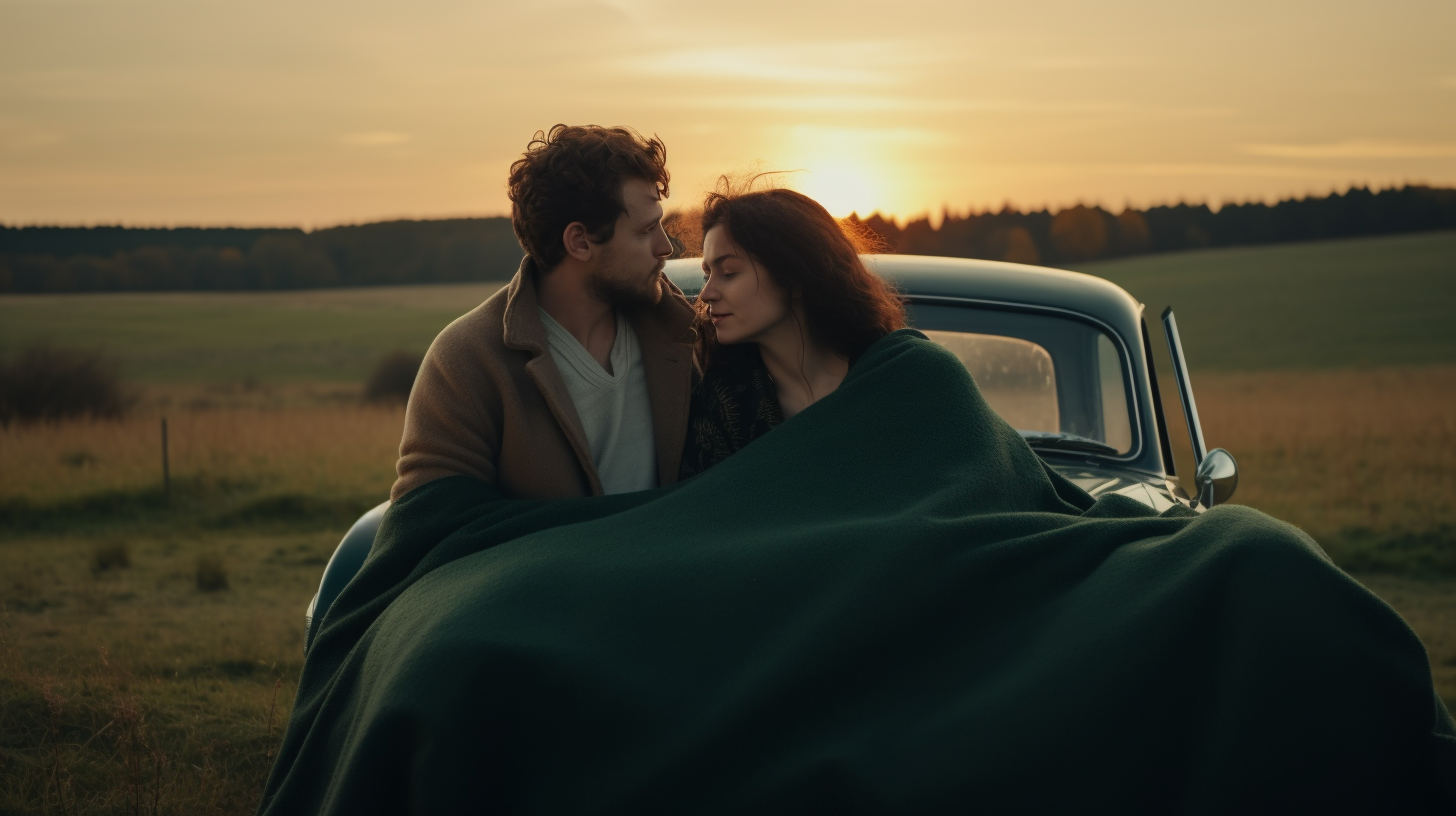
(1217, 477)
(1216, 474)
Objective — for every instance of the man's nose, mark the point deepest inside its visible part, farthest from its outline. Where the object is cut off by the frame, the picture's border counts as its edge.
(664, 244)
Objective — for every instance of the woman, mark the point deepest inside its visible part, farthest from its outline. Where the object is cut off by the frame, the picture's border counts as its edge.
(786, 308)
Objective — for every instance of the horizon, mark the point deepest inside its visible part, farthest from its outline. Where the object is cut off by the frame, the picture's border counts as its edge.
(935, 218)
(321, 114)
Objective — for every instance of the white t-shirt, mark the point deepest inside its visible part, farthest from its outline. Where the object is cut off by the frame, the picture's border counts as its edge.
(613, 408)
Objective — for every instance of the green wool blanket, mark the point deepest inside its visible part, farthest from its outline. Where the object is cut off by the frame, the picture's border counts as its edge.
(886, 605)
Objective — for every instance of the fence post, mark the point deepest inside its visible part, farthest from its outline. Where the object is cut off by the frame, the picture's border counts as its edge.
(166, 471)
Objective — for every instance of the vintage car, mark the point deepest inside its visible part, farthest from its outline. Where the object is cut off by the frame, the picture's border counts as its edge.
(1065, 358)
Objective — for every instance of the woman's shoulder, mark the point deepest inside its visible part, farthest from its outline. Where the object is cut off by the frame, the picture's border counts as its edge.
(900, 342)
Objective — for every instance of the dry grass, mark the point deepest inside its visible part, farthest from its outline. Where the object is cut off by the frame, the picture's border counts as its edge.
(1365, 461)
(132, 690)
(322, 450)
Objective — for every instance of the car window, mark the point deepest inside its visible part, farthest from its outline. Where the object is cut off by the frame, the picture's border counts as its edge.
(1016, 376)
(1042, 373)
(1114, 395)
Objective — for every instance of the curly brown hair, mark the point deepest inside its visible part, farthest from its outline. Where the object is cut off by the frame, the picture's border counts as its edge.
(575, 173)
(808, 253)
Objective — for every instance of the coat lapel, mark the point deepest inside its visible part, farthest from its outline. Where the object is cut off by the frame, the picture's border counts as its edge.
(665, 335)
(524, 331)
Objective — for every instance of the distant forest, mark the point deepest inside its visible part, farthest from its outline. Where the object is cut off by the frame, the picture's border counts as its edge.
(1090, 233)
(114, 259)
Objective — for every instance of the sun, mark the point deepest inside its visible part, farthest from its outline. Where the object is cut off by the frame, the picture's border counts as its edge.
(842, 187)
(845, 169)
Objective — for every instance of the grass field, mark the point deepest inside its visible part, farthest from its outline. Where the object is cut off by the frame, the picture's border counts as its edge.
(332, 335)
(150, 645)
(1363, 302)
(1365, 461)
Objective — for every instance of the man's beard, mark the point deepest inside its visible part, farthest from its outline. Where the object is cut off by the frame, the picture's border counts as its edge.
(628, 293)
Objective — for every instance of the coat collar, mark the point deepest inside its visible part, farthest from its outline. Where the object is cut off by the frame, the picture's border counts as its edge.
(524, 330)
(665, 335)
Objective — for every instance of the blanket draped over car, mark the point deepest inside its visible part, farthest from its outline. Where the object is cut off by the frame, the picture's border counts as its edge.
(888, 604)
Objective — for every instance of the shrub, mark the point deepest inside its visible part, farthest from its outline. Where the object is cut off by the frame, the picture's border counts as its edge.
(43, 383)
(112, 555)
(211, 573)
(393, 377)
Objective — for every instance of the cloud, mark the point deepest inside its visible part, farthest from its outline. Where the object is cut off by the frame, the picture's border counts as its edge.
(895, 103)
(861, 136)
(375, 138)
(17, 135)
(1168, 169)
(1214, 169)
(1356, 149)
(842, 63)
(1071, 63)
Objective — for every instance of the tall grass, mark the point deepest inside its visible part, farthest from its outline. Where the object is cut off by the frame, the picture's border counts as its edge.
(134, 690)
(225, 458)
(1365, 461)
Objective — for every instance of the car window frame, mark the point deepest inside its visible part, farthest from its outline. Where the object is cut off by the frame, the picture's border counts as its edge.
(1129, 382)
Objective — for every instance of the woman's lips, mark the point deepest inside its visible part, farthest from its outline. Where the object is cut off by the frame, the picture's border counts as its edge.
(716, 317)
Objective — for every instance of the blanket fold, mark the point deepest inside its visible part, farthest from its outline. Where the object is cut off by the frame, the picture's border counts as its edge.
(888, 604)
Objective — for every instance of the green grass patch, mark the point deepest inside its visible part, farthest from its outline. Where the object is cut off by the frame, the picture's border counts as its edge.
(138, 691)
(333, 335)
(194, 504)
(1418, 554)
(1355, 302)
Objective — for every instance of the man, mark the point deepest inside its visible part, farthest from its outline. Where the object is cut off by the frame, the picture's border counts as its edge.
(574, 379)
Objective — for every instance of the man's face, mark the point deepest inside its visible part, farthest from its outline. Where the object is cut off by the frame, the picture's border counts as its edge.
(629, 272)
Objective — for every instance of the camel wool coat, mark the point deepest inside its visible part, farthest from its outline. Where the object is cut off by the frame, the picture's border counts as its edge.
(489, 401)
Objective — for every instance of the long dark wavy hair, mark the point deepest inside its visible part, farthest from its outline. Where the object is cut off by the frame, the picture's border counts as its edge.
(809, 254)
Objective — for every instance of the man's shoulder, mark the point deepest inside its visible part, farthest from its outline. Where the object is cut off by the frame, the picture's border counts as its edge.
(479, 331)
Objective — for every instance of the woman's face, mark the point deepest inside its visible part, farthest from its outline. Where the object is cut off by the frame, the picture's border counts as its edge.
(744, 302)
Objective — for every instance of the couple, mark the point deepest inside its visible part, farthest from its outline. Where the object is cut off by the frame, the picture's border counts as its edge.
(893, 608)
(591, 374)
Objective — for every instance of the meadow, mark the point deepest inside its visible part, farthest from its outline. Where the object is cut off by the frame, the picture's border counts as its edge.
(1363, 303)
(325, 335)
(150, 641)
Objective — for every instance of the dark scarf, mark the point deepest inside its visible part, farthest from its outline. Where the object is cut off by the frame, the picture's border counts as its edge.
(735, 403)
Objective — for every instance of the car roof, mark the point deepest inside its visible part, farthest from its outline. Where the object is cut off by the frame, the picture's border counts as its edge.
(927, 277)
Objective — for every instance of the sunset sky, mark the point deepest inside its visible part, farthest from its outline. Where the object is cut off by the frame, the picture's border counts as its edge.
(320, 113)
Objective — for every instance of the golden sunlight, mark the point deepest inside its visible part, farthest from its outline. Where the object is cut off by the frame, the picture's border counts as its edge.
(841, 186)
(850, 170)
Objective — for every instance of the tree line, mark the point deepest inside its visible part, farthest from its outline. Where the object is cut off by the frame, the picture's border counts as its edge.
(1084, 233)
(115, 259)
(111, 259)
